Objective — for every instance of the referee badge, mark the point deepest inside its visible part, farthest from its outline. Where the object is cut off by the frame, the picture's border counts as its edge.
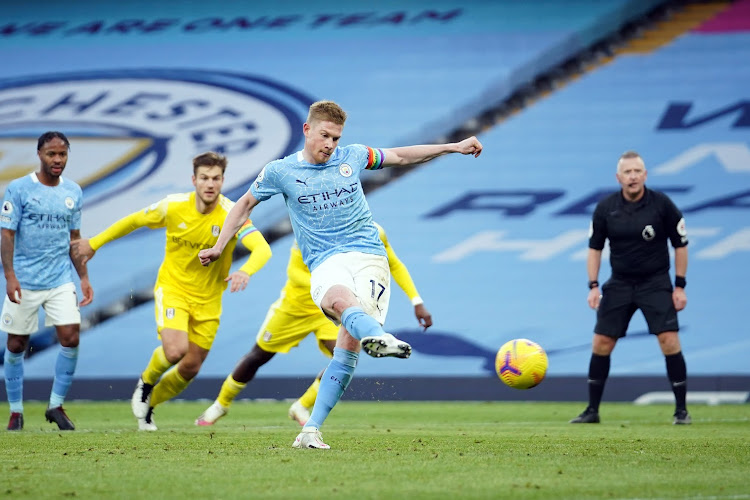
(682, 230)
(648, 233)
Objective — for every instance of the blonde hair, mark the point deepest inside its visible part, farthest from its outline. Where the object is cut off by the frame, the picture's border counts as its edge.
(629, 155)
(326, 111)
(209, 159)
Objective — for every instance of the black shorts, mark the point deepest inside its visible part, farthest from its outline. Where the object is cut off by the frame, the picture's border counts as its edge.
(622, 297)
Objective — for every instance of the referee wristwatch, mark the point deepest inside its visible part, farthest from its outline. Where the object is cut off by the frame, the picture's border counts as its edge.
(593, 284)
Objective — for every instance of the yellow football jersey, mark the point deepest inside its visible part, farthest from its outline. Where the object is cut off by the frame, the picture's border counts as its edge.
(399, 272)
(187, 232)
(296, 291)
(297, 288)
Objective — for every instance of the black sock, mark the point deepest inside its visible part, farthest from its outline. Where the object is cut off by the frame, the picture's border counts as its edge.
(598, 373)
(677, 374)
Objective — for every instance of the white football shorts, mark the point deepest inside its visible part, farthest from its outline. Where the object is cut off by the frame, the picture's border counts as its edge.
(60, 306)
(367, 275)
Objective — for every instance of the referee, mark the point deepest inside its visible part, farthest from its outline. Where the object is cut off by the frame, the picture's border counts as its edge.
(638, 222)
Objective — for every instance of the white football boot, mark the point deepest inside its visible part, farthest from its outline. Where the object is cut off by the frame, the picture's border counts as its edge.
(141, 400)
(379, 346)
(310, 437)
(147, 423)
(212, 414)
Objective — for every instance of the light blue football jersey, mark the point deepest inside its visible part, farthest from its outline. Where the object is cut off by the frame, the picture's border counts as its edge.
(327, 207)
(42, 217)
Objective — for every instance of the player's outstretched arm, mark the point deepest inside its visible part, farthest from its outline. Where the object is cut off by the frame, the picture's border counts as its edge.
(7, 246)
(236, 217)
(260, 253)
(83, 249)
(412, 155)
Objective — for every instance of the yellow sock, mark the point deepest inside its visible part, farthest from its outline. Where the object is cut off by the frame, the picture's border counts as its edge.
(229, 390)
(156, 366)
(170, 385)
(308, 398)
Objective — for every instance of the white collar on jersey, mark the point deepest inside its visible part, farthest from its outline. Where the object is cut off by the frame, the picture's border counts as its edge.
(34, 178)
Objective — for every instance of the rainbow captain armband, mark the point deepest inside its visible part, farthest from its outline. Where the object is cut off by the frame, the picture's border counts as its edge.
(246, 229)
(375, 158)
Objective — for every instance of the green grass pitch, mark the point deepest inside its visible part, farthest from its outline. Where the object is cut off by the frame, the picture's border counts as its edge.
(383, 450)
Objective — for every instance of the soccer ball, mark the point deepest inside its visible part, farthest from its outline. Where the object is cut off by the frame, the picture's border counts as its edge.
(521, 364)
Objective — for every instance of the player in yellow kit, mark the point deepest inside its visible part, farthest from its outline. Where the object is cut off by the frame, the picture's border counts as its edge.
(187, 296)
(292, 318)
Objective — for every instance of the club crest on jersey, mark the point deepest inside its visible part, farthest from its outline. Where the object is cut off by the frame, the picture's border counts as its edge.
(169, 313)
(138, 128)
(345, 170)
(648, 233)
(69, 203)
(215, 230)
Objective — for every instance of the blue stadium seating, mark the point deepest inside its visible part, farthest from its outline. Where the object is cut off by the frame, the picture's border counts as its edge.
(497, 245)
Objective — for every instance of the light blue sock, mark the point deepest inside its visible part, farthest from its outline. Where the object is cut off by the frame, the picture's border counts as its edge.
(14, 380)
(65, 367)
(359, 324)
(333, 384)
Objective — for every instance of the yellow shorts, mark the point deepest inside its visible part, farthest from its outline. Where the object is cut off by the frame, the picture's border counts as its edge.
(281, 330)
(176, 311)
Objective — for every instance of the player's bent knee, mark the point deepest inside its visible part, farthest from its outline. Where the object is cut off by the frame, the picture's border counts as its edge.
(174, 354)
(258, 356)
(68, 335)
(337, 299)
(17, 343)
(189, 369)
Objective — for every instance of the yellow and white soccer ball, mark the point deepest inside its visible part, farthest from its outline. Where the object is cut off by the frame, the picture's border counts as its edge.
(521, 364)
